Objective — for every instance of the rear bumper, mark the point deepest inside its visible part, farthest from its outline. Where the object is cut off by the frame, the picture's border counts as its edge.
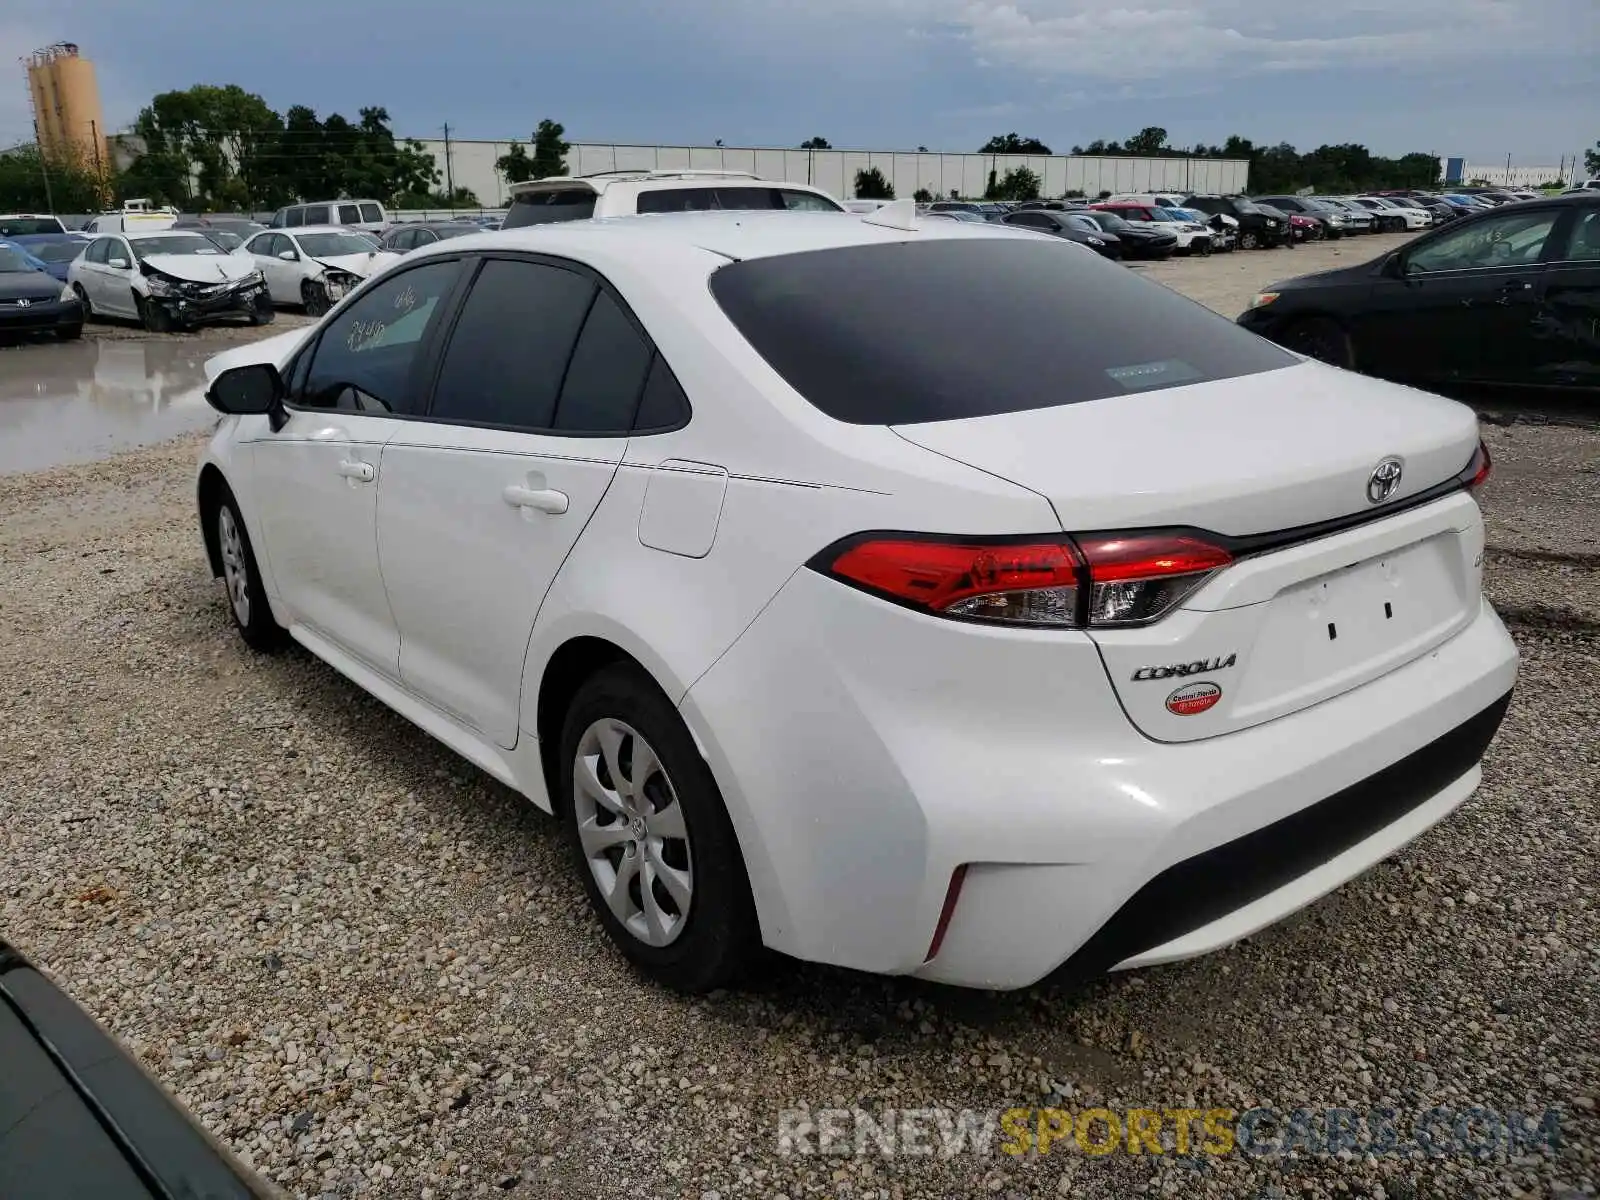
(865, 752)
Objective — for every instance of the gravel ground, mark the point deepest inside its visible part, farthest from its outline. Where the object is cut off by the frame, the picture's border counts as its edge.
(370, 969)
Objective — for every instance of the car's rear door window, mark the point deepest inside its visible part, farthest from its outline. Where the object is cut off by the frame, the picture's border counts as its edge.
(547, 207)
(947, 328)
(349, 214)
(372, 214)
(509, 351)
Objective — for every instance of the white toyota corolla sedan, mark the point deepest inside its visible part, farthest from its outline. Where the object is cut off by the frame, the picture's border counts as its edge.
(920, 597)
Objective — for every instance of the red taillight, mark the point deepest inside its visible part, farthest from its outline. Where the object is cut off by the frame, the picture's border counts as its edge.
(1479, 469)
(1030, 583)
(1137, 578)
(1103, 579)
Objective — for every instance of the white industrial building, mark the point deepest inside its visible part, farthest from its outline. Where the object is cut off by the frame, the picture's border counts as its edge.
(471, 165)
(1460, 170)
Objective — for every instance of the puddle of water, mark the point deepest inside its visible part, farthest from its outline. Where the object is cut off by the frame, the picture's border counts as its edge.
(72, 402)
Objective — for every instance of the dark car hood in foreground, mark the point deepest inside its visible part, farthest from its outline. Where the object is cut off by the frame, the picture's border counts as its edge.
(80, 1118)
(28, 285)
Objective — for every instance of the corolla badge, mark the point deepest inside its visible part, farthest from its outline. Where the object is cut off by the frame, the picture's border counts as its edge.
(1384, 480)
(24, 303)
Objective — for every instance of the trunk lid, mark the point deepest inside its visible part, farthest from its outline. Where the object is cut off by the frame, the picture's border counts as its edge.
(1248, 455)
(1276, 631)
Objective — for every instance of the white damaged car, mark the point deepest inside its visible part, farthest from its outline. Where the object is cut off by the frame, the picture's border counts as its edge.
(167, 279)
(314, 266)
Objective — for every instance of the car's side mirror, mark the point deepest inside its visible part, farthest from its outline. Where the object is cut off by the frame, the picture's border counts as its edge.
(288, 256)
(250, 390)
(120, 264)
(1394, 267)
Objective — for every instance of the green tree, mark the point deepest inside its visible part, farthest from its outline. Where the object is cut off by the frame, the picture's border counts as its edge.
(210, 147)
(1011, 143)
(922, 196)
(1019, 183)
(1591, 160)
(1148, 142)
(462, 197)
(28, 183)
(871, 185)
(816, 143)
(549, 151)
(515, 164)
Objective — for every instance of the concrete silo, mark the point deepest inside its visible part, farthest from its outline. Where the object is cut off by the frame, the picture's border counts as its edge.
(66, 107)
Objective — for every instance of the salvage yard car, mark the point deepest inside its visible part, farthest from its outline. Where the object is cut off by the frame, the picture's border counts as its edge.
(170, 279)
(314, 266)
(1505, 297)
(1257, 230)
(32, 300)
(369, 216)
(626, 193)
(753, 549)
(1193, 237)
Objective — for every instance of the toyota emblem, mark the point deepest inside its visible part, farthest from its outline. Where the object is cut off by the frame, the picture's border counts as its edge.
(1384, 481)
(24, 303)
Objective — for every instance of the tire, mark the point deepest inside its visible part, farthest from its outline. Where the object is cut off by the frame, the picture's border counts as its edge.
(263, 313)
(83, 299)
(153, 317)
(247, 596)
(1323, 339)
(315, 298)
(70, 333)
(1249, 240)
(703, 933)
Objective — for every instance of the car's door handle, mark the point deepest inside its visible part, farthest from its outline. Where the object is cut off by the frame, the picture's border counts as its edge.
(359, 471)
(1516, 285)
(545, 500)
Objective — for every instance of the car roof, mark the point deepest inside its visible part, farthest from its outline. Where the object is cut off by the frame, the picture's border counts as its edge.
(135, 235)
(735, 235)
(652, 181)
(292, 229)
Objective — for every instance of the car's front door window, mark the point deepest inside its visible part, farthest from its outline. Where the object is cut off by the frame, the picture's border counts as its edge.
(1510, 240)
(366, 358)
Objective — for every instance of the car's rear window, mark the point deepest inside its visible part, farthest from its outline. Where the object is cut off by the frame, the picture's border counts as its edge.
(23, 226)
(544, 208)
(938, 330)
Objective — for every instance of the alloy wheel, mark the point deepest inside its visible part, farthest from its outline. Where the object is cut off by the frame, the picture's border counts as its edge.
(234, 572)
(632, 831)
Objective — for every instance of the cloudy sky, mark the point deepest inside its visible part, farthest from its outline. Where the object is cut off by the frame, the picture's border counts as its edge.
(1480, 78)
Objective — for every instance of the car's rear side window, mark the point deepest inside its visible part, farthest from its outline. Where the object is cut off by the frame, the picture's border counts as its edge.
(947, 328)
(545, 208)
(371, 213)
(703, 199)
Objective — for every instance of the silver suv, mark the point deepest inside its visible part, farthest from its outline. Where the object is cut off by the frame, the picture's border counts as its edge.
(625, 193)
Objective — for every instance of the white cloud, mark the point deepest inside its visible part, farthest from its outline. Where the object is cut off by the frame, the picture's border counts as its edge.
(1167, 39)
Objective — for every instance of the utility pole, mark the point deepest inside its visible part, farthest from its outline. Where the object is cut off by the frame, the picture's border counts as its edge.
(449, 174)
(99, 169)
